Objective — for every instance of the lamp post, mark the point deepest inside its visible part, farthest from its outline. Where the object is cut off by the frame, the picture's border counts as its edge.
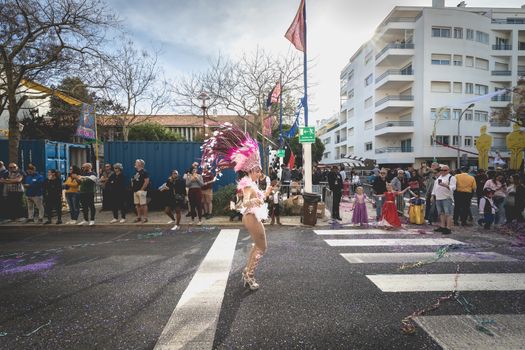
(458, 134)
(203, 96)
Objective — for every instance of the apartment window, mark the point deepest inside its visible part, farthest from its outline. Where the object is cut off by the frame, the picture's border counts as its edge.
(368, 146)
(368, 124)
(441, 32)
(470, 34)
(469, 61)
(351, 132)
(445, 114)
(482, 37)
(441, 139)
(458, 60)
(469, 88)
(440, 59)
(440, 86)
(368, 80)
(350, 150)
(458, 87)
(458, 33)
(351, 75)
(456, 113)
(368, 102)
(351, 94)
(350, 113)
(476, 116)
(455, 140)
(481, 116)
(482, 63)
(326, 155)
(327, 140)
(368, 57)
(468, 141)
(468, 115)
(481, 89)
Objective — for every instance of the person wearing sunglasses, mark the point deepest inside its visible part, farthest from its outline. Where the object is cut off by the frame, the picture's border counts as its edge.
(443, 193)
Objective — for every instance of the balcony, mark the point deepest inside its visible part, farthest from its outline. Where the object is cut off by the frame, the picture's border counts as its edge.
(394, 103)
(501, 47)
(521, 73)
(499, 126)
(395, 127)
(394, 54)
(332, 127)
(393, 79)
(502, 72)
(508, 20)
(394, 150)
(501, 98)
(501, 149)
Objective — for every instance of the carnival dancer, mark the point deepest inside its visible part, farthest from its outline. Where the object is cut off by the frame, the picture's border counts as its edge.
(389, 210)
(229, 147)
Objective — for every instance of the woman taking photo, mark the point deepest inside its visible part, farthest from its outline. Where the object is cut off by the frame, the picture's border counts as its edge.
(231, 148)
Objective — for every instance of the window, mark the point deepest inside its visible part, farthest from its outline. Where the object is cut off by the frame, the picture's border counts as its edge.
(468, 141)
(458, 87)
(468, 115)
(481, 116)
(440, 86)
(351, 94)
(440, 59)
(351, 132)
(350, 113)
(368, 80)
(441, 139)
(482, 63)
(455, 140)
(476, 116)
(327, 140)
(441, 32)
(470, 34)
(368, 146)
(368, 102)
(433, 113)
(481, 89)
(351, 75)
(458, 33)
(368, 124)
(458, 60)
(482, 37)
(469, 61)
(326, 155)
(469, 88)
(350, 150)
(368, 57)
(456, 113)
(445, 114)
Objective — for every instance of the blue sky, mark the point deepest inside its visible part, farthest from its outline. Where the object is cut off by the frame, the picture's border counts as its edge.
(191, 32)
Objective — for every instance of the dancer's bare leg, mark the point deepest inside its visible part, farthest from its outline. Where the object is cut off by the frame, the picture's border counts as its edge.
(258, 235)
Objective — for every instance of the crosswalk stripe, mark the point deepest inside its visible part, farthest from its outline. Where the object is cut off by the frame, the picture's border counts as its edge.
(445, 282)
(194, 321)
(459, 331)
(391, 242)
(364, 232)
(385, 258)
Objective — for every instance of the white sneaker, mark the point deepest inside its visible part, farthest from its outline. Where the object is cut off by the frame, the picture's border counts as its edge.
(192, 222)
(92, 223)
(113, 221)
(199, 223)
(82, 223)
(122, 221)
(175, 228)
(170, 222)
(71, 222)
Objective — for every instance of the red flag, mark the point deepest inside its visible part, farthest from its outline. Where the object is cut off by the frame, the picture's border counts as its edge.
(276, 92)
(291, 162)
(296, 31)
(267, 126)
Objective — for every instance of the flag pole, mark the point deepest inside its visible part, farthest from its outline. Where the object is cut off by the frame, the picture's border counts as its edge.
(281, 112)
(307, 147)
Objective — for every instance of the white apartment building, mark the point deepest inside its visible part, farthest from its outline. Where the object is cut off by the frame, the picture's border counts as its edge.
(420, 59)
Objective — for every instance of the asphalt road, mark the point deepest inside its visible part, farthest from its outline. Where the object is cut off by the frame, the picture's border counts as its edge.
(108, 288)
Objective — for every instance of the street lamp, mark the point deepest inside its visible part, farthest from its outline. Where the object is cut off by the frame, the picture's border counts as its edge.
(459, 121)
(203, 97)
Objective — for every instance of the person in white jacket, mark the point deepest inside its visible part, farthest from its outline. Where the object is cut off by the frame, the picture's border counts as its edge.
(443, 193)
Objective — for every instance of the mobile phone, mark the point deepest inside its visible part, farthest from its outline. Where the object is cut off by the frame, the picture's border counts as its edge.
(439, 181)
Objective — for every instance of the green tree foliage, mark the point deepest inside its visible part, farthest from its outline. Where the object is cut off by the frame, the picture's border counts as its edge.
(152, 132)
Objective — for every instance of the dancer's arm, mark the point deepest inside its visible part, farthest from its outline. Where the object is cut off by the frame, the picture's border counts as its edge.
(247, 202)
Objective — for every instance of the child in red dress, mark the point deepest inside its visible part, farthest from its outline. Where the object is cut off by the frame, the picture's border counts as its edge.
(389, 210)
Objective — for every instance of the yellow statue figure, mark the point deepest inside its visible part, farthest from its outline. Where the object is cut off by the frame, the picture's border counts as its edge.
(483, 145)
(515, 144)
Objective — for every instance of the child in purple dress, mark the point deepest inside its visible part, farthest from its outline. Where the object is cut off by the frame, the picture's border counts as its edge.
(360, 215)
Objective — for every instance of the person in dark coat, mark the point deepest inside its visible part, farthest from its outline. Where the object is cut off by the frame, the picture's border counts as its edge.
(116, 191)
(335, 183)
(175, 193)
(53, 195)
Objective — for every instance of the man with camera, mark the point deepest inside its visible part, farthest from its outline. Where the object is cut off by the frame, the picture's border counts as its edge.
(442, 194)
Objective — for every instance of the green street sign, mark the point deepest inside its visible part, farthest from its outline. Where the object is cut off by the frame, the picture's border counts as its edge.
(307, 134)
(280, 153)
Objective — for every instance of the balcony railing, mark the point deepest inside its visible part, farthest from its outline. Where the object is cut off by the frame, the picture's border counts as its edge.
(394, 150)
(394, 123)
(501, 47)
(395, 46)
(394, 72)
(395, 98)
(500, 123)
(508, 20)
(499, 149)
(501, 72)
(333, 127)
(501, 98)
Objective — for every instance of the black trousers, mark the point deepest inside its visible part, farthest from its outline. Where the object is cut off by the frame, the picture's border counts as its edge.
(117, 202)
(87, 201)
(53, 203)
(13, 204)
(335, 205)
(461, 206)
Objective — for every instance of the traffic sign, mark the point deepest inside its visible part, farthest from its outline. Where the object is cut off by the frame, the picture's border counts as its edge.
(307, 134)
(280, 153)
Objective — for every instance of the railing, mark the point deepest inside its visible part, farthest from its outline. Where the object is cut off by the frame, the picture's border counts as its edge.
(500, 123)
(499, 149)
(394, 72)
(508, 20)
(395, 98)
(501, 47)
(333, 127)
(394, 150)
(501, 98)
(501, 72)
(395, 123)
(394, 46)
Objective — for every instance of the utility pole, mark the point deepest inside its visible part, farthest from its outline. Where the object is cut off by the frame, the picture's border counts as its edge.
(458, 134)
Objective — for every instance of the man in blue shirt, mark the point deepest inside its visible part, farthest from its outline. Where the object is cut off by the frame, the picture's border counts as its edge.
(33, 184)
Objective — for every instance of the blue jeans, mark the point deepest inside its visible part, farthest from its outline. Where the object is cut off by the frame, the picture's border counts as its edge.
(73, 201)
(379, 205)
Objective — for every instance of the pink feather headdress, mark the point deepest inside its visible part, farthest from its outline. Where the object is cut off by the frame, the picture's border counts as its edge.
(230, 147)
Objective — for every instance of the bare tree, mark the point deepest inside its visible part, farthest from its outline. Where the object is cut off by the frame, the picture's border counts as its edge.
(515, 111)
(133, 79)
(41, 40)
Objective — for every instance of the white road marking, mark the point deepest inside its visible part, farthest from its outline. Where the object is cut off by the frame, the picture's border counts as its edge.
(445, 282)
(364, 232)
(459, 331)
(193, 323)
(390, 242)
(393, 258)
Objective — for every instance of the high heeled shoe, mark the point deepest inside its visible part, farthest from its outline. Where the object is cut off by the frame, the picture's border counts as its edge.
(249, 281)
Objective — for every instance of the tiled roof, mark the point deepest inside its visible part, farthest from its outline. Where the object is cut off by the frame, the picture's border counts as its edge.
(179, 120)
